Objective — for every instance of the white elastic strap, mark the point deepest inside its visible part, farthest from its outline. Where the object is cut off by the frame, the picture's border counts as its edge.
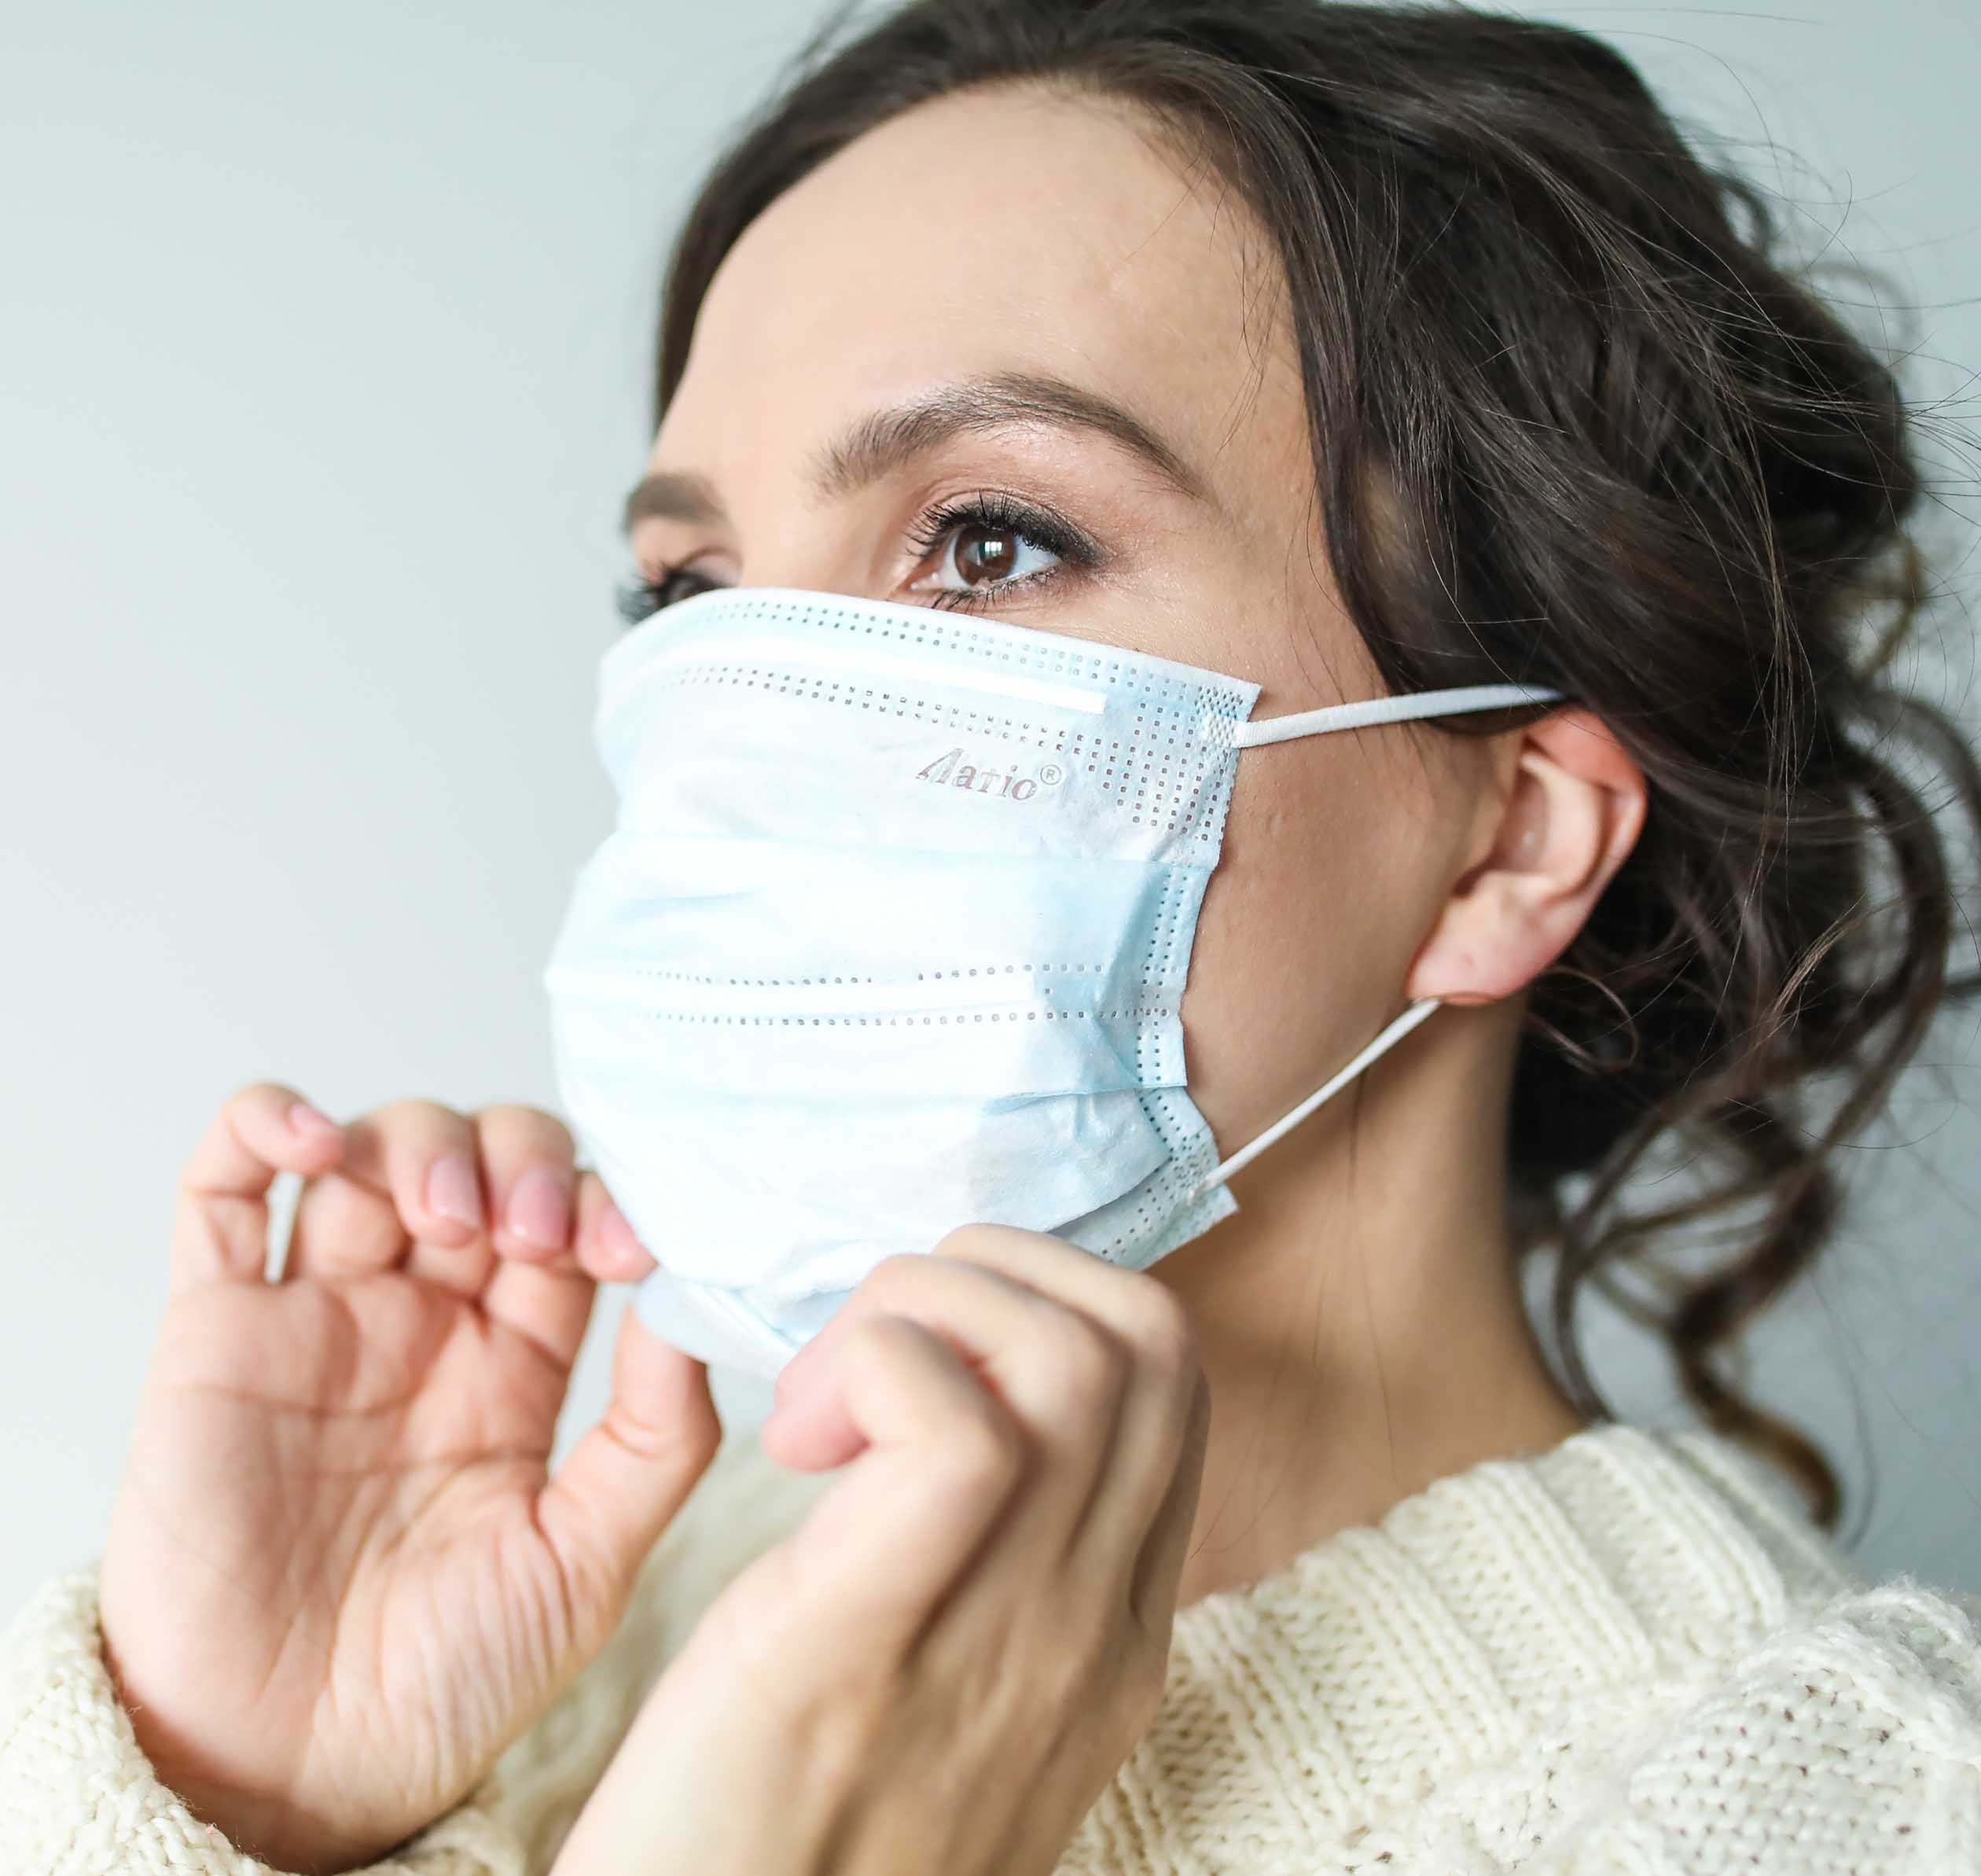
(1389, 710)
(1246, 1154)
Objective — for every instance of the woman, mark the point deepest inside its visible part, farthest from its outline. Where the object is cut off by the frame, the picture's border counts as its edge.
(1356, 353)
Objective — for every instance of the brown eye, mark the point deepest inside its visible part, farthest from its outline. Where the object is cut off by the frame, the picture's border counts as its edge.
(983, 553)
(991, 544)
(993, 556)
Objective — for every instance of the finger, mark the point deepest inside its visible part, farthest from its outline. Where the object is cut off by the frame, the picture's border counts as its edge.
(1156, 1426)
(526, 1158)
(622, 1484)
(1133, 1467)
(538, 1286)
(1158, 1575)
(1163, 1340)
(408, 1178)
(603, 1246)
(551, 1302)
(811, 1427)
(220, 1214)
(942, 1458)
(604, 1242)
(1047, 1265)
(1061, 1375)
(341, 1227)
(1104, 1290)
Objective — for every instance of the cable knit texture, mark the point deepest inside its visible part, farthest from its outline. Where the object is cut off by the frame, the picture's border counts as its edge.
(1628, 1655)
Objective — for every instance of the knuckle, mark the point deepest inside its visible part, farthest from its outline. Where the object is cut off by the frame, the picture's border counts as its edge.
(1087, 1364)
(874, 1338)
(507, 1124)
(984, 1449)
(679, 1446)
(413, 1118)
(271, 1095)
(896, 1272)
(1161, 1325)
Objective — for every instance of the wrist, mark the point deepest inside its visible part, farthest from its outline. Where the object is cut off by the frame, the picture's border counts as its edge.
(268, 1828)
(667, 1797)
(266, 1825)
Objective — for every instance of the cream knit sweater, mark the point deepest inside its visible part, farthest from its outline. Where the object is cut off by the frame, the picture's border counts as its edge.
(1630, 1655)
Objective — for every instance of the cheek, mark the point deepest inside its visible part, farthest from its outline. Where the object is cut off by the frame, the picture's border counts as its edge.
(1306, 935)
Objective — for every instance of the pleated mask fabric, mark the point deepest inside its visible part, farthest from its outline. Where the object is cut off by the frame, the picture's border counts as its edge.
(889, 936)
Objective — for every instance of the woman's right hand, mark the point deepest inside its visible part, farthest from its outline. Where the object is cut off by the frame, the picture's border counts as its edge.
(337, 1583)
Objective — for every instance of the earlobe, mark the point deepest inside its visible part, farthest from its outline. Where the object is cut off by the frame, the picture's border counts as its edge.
(1573, 812)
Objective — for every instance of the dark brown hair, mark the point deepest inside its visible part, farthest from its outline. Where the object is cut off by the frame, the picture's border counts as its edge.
(1575, 420)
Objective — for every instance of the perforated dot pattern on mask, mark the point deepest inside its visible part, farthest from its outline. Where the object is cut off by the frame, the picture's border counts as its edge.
(653, 972)
(890, 1022)
(1139, 1227)
(1168, 772)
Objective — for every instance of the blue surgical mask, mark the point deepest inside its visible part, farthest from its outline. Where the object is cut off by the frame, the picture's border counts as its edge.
(889, 936)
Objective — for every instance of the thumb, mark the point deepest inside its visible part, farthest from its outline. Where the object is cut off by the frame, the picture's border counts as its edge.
(622, 1484)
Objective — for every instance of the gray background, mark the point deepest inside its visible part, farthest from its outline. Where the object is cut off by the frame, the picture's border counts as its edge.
(324, 332)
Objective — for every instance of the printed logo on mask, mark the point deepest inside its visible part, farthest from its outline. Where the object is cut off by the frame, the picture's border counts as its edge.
(950, 771)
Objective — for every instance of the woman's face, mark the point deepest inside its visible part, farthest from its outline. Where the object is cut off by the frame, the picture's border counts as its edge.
(954, 309)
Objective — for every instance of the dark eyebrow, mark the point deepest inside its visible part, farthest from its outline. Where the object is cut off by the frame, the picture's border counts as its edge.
(887, 439)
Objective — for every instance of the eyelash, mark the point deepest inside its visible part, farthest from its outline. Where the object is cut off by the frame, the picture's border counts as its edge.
(640, 599)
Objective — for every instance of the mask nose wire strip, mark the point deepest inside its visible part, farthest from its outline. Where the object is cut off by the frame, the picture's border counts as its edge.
(1389, 710)
(1245, 1155)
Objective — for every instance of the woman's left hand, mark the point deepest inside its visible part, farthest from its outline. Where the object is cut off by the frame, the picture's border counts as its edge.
(944, 1666)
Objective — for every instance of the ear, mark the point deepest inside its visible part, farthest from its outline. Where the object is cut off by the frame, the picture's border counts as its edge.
(1574, 812)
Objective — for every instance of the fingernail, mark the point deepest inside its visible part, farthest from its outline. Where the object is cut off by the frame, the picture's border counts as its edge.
(307, 1120)
(618, 1237)
(454, 1192)
(539, 1208)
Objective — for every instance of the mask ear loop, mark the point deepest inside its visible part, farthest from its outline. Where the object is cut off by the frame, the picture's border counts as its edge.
(1246, 1154)
(1350, 716)
(1389, 710)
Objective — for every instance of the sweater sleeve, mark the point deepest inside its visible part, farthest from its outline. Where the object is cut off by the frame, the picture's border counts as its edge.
(1849, 1740)
(78, 1797)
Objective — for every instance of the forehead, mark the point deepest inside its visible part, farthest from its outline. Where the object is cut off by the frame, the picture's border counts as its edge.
(1014, 227)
